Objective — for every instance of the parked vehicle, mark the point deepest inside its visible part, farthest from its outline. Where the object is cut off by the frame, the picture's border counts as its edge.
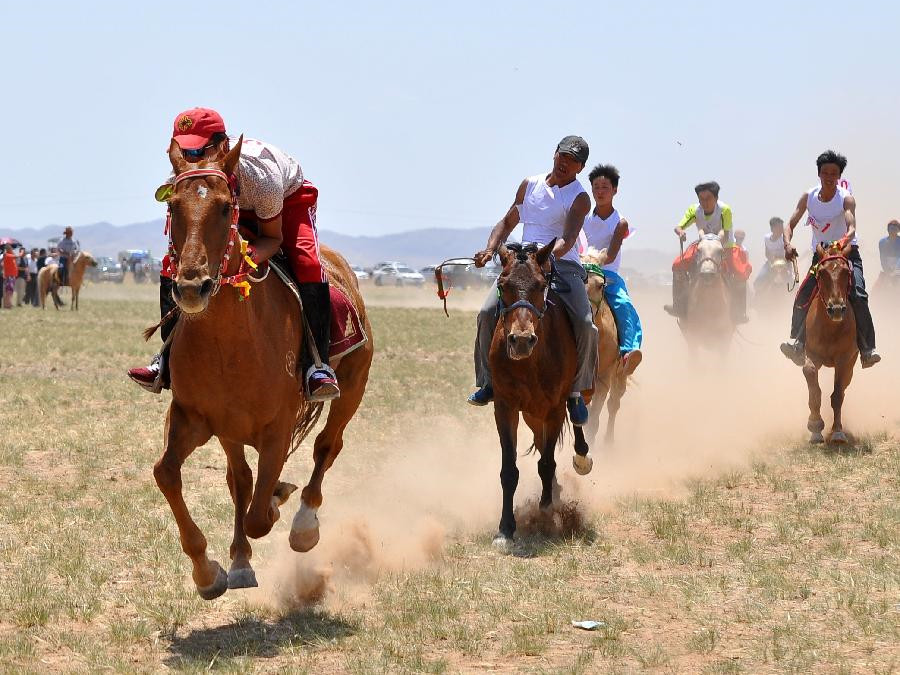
(107, 269)
(361, 274)
(396, 274)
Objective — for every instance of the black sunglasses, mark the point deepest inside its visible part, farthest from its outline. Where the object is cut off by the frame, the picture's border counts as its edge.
(199, 152)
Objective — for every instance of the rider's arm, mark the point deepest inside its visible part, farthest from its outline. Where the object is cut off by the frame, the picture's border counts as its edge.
(850, 217)
(689, 217)
(727, 225)
(615, 244)
(574, 223)
(269, 239)
(502, 229)
(789, 251)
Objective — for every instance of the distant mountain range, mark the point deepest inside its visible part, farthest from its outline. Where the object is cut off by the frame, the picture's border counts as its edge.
(416, 248)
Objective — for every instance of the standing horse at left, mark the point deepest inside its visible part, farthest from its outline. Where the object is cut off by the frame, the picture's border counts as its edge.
(234, 367)
(48, 279)
(533, 362)
(830, 337)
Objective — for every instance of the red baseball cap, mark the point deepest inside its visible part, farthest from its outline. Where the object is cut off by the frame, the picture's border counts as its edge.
(193, 128)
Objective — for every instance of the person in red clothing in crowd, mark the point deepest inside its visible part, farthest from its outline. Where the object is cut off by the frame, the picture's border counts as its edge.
(279, 207)
(10, 272)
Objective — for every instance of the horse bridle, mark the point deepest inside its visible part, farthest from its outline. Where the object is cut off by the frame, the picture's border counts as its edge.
(522, 252)
(844, 263)
(241, 278)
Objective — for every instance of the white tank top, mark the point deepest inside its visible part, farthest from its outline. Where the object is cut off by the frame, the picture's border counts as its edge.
(774, 246)
(543, 213)
(826, 218)
(599, 233)
(712, 223)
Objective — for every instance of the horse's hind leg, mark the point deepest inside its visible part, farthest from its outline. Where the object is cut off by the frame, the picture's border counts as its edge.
(815, 423)
(263, 511)
(843, 373)
(183, 435)
(615, 402)
(353, 373)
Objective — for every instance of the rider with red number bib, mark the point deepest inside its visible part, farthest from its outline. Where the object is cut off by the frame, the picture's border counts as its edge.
(711, 217)
(278, 208)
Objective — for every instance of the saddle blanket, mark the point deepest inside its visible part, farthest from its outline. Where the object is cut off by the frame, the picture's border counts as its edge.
(347, 332)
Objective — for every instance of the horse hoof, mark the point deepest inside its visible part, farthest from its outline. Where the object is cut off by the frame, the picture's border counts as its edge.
(244, 577)
(816, 437)
(838, 437)
(304, 540)
(216, 588)
(304, 529)
(502, 543)
(583, 464)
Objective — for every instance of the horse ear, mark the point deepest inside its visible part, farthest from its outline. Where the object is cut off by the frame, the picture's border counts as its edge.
(846, 250)
(820, 251)
(543, 256)
(505, 254)
(231, 159)
(179, 163)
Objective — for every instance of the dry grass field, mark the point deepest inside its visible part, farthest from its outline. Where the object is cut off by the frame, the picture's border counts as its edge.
(711, 538)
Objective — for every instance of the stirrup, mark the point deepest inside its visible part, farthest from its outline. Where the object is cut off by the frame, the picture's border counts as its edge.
(327, 391)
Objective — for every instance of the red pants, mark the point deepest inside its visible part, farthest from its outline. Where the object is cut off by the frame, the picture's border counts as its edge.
(298, 234)
(736, 261)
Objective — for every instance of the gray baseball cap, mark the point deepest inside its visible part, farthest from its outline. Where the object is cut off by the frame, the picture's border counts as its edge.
(575, 146)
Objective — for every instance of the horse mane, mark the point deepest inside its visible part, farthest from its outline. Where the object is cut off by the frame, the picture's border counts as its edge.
(592, 255)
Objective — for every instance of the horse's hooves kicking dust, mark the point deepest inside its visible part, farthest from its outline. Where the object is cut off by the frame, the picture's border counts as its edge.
(562, 520)
(216, 588)
(582, 465)
(244, 577)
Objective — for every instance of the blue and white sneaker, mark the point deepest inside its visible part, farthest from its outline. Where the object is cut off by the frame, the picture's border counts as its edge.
(481, 397)
(578, 412)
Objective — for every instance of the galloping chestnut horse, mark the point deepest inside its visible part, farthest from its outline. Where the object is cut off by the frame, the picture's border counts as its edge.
(830, 337)
(533, 361)
(234, 375)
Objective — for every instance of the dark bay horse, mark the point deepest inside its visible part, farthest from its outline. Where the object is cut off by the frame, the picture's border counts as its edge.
(533, 362)
(830, 337)
(234, 374)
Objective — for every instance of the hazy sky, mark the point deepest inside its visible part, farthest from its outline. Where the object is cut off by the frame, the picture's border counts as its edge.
(411, 114)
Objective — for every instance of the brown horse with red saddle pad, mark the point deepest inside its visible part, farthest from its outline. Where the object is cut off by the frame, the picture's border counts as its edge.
(533, 363)
(830, 337)
(234, 365)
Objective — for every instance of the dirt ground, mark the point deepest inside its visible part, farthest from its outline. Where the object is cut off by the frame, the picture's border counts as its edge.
(710, 537)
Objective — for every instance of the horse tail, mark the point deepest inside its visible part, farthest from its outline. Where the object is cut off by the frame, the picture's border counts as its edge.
(307, 417)
(566, 428)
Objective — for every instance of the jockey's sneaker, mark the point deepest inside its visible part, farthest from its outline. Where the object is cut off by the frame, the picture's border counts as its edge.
(481, 397)
(869, 358)
(149, 377)
(578, 412)
(794, 351)
(631, 360)
(322, 386)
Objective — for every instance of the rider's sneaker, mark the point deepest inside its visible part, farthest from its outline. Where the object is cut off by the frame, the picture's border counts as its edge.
(578, 412)
(631, 360)
(869, 358)
(150, 377)
(322, 385)
(482, 396)
(794, 351)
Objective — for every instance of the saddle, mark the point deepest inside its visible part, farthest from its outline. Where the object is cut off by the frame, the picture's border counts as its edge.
(347, 332)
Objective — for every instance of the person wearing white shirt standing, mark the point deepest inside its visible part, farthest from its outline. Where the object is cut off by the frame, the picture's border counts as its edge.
(832, 217)
(605, 229)
(550, 206)
(774, 250)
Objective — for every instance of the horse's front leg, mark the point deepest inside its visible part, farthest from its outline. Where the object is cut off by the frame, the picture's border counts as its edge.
(815, 423)
(240, 485)
(615, 402)
(507, 421)
(547, 463)
(843, 373)
(183, 435)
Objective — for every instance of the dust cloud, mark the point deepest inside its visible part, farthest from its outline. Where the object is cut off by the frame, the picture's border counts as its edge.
(681, 417)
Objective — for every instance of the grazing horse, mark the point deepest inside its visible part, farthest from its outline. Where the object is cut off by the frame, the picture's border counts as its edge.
(708, 322)
(234, 366)
(830, 337)
(533, 362)
(612, 375)
(48, 279)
